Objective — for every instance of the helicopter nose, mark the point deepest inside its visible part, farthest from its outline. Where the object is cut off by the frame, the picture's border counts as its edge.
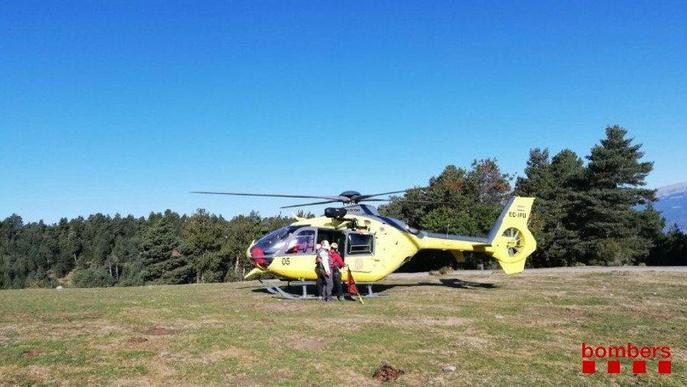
(258, 256)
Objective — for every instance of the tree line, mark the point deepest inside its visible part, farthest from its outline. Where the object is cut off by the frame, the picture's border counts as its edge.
(163, 248)
(593, 212)
(597, 212)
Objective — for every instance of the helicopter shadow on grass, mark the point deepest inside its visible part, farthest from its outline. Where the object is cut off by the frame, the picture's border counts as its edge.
(381, 288)
(444, 282)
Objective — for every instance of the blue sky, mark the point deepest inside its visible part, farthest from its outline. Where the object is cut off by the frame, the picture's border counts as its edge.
(124, 107)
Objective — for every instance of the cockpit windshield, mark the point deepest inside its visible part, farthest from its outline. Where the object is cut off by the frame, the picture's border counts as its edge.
(275, 240)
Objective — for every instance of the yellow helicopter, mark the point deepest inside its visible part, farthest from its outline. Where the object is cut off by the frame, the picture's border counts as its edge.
(374, 246)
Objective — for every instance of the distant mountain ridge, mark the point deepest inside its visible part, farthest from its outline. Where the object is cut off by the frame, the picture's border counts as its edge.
(672, 202)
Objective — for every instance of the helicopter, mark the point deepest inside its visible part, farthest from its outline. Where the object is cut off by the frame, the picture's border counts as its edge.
(374, 246)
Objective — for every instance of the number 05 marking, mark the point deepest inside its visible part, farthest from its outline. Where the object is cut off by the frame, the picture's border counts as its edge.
(286, 261)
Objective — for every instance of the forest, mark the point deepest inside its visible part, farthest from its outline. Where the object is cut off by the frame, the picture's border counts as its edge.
(591, 211)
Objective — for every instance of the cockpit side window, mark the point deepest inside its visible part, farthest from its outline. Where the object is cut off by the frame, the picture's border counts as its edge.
(359, 244)
(302, 242)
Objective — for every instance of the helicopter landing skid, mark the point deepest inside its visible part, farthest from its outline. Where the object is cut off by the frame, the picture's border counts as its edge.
(275, 287)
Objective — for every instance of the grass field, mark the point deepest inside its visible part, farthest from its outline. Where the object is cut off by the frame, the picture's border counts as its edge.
(526, 329)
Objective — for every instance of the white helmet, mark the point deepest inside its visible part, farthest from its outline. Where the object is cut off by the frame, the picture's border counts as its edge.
(325, 244)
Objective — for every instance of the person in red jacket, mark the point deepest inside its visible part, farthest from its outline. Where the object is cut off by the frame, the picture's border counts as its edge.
(336, 263)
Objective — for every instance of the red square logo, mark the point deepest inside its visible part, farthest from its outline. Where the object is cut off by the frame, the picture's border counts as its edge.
(664, 366)
(639, 367)
(613, 367)
(588, 366)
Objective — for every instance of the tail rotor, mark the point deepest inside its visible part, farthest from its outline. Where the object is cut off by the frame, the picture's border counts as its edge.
(510, 239)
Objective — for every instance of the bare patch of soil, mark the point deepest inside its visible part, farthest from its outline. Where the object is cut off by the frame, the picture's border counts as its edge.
(302, 343)
(387, 373)
(267, 320)
(238, 380)
(136, 340)
(31, 353)
(37, 372)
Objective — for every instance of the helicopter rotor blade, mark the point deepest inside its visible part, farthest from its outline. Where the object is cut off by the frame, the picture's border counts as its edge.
(403, 200)
(364, 197)
(364, 200)
(332, 198)
(355, 198)
(309, 204)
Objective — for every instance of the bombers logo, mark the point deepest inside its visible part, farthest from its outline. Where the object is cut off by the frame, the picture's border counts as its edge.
(638, 355)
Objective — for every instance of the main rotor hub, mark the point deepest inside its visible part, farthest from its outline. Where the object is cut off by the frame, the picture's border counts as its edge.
(351, 195)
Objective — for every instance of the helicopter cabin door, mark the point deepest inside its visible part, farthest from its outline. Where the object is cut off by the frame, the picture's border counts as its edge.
(359, 252)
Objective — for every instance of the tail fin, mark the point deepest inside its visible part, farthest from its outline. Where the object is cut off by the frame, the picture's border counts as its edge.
(510, 239)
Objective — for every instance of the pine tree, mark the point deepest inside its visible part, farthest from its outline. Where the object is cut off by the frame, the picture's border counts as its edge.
(567, 170)
(554, 184)
(161, 252)
(539, 183)
(538, 180)
(203, 236)
(612, 227)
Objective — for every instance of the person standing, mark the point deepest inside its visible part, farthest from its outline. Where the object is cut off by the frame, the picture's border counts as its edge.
(336, 264)
(324, 271)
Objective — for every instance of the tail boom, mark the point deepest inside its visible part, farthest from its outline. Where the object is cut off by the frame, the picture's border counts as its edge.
(510, 242)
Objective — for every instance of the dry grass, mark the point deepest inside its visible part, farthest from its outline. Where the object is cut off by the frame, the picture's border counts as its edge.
(525, 330)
